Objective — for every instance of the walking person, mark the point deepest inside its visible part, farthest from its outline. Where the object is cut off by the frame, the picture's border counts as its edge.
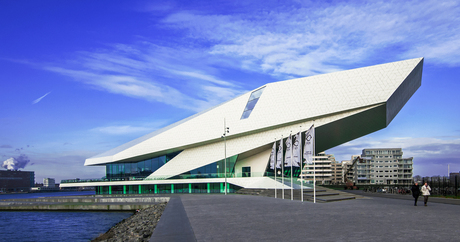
(415, 192)
(425, 192)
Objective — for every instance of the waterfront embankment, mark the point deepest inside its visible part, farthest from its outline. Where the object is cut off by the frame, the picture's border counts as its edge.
(138, 227)
(83, 203)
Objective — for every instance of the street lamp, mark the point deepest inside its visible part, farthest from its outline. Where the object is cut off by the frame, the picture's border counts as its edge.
(226, 131)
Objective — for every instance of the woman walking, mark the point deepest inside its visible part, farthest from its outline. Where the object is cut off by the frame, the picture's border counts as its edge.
(426, 192)
(415, 192)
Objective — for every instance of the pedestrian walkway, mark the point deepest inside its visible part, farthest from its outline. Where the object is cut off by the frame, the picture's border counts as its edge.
(431, 199)
(254, 218)
(174, 224)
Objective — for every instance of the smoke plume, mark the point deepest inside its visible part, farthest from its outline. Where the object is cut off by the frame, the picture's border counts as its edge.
(15, 163)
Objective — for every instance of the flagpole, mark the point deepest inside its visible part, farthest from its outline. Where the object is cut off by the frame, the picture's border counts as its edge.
(276, 160)
(282, 167)
(301, 163)
(314, 165)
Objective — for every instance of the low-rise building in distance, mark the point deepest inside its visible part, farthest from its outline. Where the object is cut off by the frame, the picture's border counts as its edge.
(16, 181)
(49, 182)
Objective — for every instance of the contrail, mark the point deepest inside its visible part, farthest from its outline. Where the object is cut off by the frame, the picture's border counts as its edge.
(40, 98)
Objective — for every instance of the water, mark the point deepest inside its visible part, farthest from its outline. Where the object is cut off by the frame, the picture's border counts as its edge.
(55, 225)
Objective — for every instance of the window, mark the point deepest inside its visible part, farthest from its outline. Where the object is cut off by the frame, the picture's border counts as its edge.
(246, 171)
(255, 95)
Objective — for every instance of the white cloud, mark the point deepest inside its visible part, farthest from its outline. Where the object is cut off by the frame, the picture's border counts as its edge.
(310, 40)
(150, 72)
(120, 130)
(40, 98)
(285, 41)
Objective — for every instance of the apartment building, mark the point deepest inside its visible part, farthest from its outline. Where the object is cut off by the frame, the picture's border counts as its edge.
(346, 165)
(383, 166)
(337, 173)
(322, 167)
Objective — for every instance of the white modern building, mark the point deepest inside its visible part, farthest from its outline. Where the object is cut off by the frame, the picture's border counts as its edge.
(193, 155)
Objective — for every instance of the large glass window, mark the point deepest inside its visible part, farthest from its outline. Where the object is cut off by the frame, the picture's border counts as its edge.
(108, 170)
(140, 166)
(214, 170)
(162, 160)
(148, 165)
(255, 95)
(138, 169)
(155, 164)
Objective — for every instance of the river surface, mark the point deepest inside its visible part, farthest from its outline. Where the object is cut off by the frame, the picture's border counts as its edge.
(55, 225)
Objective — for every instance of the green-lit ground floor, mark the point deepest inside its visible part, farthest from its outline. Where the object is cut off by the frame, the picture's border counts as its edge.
(167, 188)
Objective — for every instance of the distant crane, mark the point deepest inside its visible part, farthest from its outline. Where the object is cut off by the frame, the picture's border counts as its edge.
(349, 184)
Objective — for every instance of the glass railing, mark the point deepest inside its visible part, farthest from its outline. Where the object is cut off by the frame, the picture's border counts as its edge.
(163, 177)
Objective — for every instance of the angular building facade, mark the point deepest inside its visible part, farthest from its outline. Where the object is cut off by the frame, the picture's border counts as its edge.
(193, 155)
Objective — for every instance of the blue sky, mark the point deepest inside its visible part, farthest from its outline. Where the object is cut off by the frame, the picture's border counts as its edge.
(78, 78)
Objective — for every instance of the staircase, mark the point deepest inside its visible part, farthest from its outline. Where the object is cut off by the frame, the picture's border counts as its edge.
(322, 194)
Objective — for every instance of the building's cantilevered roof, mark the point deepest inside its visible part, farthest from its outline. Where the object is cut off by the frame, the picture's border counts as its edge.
(343, 106)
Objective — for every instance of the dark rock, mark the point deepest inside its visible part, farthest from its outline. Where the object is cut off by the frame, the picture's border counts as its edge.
(138, 227)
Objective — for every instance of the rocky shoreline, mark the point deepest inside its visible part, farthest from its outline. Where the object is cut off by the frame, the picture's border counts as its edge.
(138, 227)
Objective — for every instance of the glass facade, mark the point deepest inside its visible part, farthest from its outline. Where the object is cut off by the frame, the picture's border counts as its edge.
(218, 187)
(255, 95)
(214, 170)
(140, 169)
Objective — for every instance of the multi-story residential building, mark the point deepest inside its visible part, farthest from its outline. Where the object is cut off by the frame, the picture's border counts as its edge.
(346, 165)
(336, 168)
(322, 167)
(384, 166)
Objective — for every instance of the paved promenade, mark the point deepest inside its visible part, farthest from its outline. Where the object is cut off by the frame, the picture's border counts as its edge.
(196, 217)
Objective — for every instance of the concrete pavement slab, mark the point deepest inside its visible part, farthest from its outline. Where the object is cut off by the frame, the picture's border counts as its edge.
(174, 224)
(254, 218)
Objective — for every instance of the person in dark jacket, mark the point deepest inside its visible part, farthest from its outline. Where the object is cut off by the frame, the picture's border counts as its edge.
(415, 192)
